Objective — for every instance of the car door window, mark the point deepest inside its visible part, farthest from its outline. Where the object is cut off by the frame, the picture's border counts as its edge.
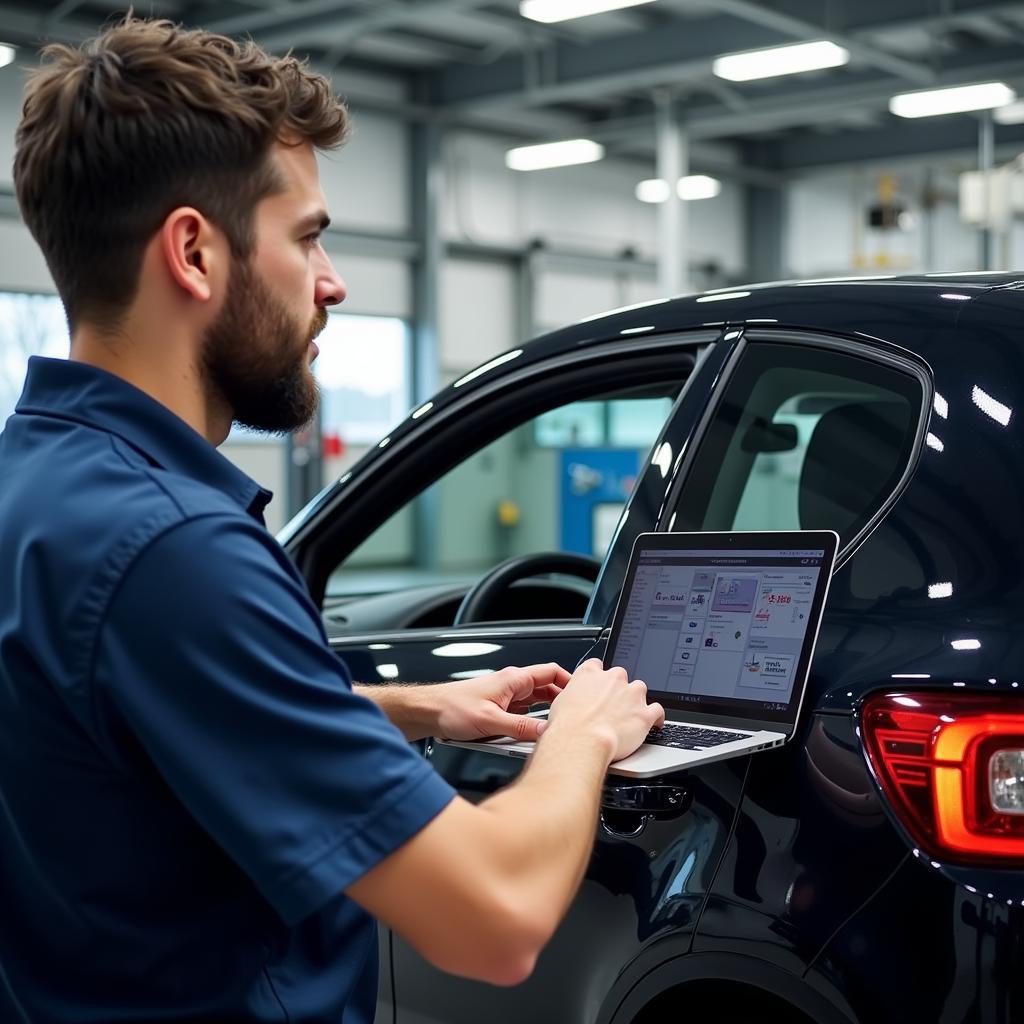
(556, 483)
(802, 438)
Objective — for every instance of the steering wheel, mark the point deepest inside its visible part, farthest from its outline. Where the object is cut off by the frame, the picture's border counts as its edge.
(485, 593)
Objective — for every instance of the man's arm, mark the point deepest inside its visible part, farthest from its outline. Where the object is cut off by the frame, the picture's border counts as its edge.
(480, 890)
(489, 705)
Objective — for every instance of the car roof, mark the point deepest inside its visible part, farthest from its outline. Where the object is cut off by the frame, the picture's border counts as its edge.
(852, 305)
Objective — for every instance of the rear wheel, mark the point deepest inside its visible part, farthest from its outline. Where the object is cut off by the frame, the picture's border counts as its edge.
(719, 1002)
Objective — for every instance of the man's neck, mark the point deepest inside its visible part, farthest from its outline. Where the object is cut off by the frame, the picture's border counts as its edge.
(160, 370)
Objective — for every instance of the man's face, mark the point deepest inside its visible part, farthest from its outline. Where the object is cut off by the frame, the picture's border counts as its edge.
(258, 350)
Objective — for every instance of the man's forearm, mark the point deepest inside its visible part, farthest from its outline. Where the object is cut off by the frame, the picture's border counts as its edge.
(559, 795)
(412, 707)
(512, 863)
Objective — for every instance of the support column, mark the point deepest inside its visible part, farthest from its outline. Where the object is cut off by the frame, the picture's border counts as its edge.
(986, 145)
(525, 269)
(426, 191)
(673, 164)
(426, 202)
(764, 222)
(929, 201)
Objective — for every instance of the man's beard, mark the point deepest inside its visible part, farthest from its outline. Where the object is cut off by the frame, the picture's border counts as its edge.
(255, 357)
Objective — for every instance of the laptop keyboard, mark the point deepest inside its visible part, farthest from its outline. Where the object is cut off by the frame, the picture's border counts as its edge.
(691, 737)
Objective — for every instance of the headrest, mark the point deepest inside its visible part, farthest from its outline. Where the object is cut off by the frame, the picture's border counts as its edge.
(851, 463)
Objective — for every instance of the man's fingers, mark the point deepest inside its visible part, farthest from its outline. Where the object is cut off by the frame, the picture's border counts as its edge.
(522, 727)
(657, 713)
(526, 682)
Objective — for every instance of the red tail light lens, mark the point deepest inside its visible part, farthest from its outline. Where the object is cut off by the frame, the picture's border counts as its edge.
(952, 766)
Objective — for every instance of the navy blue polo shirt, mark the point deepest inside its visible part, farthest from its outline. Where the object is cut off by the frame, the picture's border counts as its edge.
(187, 781)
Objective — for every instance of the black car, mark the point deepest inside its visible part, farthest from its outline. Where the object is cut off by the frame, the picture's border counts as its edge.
(868, 871)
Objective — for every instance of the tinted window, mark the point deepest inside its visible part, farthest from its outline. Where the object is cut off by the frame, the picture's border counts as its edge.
(803, 438)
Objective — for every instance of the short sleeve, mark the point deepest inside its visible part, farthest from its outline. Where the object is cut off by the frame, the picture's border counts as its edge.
(212, 655)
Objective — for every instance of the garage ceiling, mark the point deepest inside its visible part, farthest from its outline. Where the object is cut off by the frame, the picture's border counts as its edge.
(478, 63)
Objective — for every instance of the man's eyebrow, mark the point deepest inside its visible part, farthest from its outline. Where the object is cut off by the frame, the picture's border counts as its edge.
(318, 221)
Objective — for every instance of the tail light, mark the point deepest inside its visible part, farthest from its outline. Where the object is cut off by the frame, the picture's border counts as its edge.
(952, 766)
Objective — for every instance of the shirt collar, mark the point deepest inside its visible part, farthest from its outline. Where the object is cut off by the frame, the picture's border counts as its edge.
(85, 394)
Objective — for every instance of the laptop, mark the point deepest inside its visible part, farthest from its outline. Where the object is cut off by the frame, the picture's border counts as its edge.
(722, 628)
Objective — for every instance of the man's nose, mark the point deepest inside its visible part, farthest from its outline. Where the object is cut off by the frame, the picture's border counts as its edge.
(330, 288)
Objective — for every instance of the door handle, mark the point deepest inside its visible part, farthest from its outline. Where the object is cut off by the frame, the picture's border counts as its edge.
(626, 809)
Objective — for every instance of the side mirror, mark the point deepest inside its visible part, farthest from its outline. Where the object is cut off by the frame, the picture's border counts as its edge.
(764, 436)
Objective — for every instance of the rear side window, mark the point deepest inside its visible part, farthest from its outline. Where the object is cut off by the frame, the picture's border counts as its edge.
(803, 438)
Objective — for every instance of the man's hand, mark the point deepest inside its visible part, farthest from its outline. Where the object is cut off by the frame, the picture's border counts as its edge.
(604, 703)
(493, 704)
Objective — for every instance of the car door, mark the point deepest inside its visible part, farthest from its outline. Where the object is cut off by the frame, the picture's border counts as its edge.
(382, 637)
(809, 431)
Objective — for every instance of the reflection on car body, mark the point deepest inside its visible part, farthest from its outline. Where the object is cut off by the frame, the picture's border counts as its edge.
(852, 875)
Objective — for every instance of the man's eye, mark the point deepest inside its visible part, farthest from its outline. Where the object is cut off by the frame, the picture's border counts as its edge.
(313, 239)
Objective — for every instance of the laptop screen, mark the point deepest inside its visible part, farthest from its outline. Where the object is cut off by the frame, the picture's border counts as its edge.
(727, 629)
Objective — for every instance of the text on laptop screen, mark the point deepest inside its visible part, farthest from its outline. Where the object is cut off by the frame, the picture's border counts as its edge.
(709, 625)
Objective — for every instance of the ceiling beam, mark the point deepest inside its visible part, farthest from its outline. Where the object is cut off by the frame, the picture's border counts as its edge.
(306, 12)
(928, 137)
(800, 28)
(23, 29)
(302, 22)
(790, 106)
(672, 53)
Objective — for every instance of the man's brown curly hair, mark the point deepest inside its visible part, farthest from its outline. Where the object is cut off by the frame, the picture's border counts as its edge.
(143, 118)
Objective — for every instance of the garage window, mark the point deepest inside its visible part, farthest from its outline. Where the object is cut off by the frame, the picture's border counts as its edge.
(803, 438)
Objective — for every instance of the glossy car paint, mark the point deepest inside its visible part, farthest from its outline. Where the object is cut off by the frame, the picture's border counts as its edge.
(786, 871)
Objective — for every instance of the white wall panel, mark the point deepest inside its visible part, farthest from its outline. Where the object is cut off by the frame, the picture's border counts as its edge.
(820, 237)
(366, 182)
(477, 314)
(562, 298)
(375, 286)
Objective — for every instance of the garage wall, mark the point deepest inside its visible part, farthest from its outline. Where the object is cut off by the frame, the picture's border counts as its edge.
(828, 235)
(589, 209)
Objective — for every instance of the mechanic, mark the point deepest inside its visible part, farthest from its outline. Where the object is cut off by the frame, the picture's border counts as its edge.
(200, 816)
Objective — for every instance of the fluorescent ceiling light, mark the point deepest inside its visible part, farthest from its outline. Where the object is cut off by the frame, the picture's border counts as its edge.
(698, 186)
(965, 645)
(1011, 114)
(653, 190)
(554, 154)
(780, 60)
(6, 54)
(956, 100)
(550, 11)
(693, 186)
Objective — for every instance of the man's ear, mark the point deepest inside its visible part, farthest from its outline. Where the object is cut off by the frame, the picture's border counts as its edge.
(191, 253)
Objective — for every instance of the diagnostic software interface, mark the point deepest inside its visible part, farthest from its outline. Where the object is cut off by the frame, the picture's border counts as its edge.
(719, 624)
